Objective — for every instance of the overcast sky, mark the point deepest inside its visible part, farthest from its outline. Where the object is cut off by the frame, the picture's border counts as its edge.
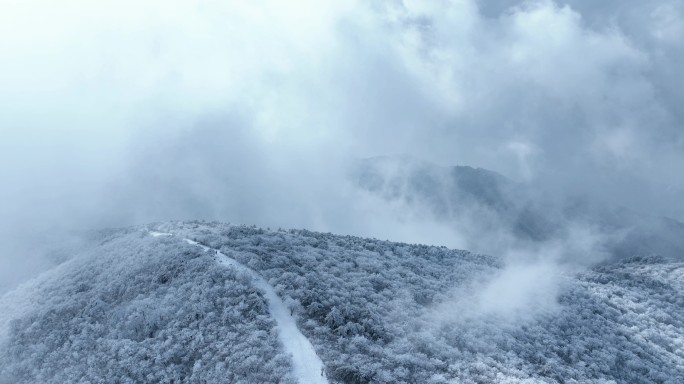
(124, 112)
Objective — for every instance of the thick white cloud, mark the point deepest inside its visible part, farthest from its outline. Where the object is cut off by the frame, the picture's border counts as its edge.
(246, 111)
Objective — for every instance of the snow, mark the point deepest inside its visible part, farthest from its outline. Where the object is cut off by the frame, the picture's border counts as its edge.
(376, 311)
(308, 367)
(160, 234)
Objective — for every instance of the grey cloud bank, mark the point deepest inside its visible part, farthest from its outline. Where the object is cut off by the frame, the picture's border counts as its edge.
(117, 113)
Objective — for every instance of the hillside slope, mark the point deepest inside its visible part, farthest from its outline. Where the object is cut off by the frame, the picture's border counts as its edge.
(137, 308)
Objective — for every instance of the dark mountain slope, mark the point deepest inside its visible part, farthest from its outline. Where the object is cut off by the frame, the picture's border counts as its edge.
(496, 206)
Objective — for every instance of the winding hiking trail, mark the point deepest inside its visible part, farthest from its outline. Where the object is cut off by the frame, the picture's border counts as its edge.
(308, 367)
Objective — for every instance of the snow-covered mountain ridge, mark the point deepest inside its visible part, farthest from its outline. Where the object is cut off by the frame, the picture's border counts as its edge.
(138, 308)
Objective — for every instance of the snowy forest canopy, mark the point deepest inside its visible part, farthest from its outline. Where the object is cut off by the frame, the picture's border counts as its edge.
(137, 308)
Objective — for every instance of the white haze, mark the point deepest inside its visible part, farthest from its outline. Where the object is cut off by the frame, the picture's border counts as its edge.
(115, 113)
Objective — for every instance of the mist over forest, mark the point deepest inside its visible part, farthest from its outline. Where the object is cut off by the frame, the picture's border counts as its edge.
(545, 134)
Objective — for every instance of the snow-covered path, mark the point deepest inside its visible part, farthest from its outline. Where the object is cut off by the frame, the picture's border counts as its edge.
(308, 367)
